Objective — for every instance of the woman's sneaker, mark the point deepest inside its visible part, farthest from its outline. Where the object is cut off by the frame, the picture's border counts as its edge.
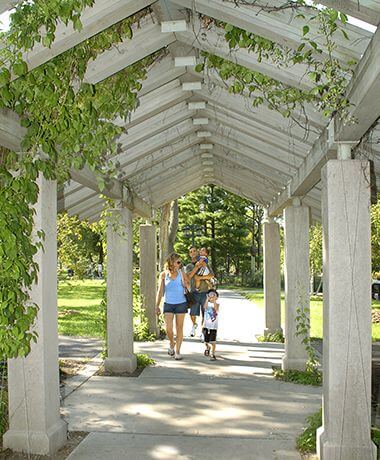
(193, 329)
(171, 351)
(212, 357)
(177, 357)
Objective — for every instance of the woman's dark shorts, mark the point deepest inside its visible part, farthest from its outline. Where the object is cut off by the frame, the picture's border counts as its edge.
(209, 335)
(175, 308)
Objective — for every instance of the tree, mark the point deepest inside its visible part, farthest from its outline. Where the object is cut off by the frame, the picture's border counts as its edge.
(220, 221)
(80, 244)
(375, 229)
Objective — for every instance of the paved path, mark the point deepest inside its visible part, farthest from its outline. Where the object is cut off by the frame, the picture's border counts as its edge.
(195, 408)
(79, 347)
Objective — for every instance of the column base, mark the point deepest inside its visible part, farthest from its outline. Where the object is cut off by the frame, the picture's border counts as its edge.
(271, 331)
(37, 442)
(327, 450)
(298, 364)
(121, 365)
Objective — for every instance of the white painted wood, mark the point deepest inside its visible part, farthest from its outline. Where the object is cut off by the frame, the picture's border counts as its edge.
(196, 105)
(159, 74)
(283, 27)
(155, 125)
(364, 94)
(308, 115)
(7, 5)
(367, 11)
(141, 161)
(200, 121)
(191, 86)
(146, 40)
(204, 134)
(178, 161)
(155, 102)
(155, 143)
(11, 132)
(173, 26)
(215, 44)
(103, 14)
(184, 61)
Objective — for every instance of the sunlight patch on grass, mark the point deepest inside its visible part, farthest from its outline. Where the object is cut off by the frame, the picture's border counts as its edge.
(79, 308)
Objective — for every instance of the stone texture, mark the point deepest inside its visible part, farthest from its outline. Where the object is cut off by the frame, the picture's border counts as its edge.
(297, 283)
(148, 273)
(35, 425)
(347, 312)
(120, 293)
(272, 277)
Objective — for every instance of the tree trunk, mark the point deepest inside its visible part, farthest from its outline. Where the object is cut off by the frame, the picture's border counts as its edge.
(173, 226)
(164, 234)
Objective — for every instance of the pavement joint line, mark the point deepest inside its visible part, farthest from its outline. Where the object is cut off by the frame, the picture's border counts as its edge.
(95, 362)
(179, 435)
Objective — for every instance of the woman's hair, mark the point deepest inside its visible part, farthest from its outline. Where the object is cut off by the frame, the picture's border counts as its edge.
(170, 261)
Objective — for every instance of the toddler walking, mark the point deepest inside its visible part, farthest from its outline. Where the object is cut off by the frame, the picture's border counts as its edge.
(210, 323)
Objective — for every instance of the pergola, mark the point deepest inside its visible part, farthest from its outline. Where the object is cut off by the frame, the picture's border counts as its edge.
(189, 131)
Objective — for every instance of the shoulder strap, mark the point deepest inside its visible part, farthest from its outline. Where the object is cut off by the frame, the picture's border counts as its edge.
(183, 279)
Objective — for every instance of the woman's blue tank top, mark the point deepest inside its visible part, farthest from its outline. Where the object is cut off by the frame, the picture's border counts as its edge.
(174, 290)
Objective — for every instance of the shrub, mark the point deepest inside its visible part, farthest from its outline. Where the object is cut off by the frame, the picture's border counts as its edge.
(144, 360)
(307, 440)
(309, 377)
(277, 337)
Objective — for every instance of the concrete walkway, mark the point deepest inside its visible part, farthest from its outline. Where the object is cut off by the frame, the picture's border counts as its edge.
(195, 408)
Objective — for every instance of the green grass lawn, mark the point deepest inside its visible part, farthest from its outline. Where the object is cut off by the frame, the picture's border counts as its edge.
(316, 310)
(79, 308)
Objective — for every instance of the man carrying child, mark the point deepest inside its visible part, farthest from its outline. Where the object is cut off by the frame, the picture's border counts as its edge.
(198, 283)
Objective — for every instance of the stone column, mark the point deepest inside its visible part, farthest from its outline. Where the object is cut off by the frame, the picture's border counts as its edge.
(120, 356)
(297, 284)
(345, 433)
(35, 425)
(272, 277)
(148, 274)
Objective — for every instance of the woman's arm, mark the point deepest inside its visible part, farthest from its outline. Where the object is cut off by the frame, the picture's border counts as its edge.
(160, 292)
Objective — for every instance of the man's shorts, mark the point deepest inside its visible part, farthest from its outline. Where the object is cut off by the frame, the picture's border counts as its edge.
(209, 335)
(200, 298)
(175, 308)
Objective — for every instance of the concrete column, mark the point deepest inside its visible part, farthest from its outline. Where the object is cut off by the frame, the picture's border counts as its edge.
(272, 277)
(35, 425)
(120, 293)
(345, 433)
(297, 284)
(148, 274)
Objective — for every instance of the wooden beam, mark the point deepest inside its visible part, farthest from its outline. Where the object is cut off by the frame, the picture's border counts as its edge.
(7, 5)
(147, 40)
(357, 9)
(295, 76)
(283, 27)
(95, 19)
(364, 94)
(364, 89)
(11, 134)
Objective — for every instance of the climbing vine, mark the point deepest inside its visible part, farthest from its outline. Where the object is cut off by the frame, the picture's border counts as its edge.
(327, 74)
(68, 123)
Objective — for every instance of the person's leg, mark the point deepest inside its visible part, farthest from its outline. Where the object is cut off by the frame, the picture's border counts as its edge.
(179, 320)
(194, 312)
(206, 340)
(169, 317)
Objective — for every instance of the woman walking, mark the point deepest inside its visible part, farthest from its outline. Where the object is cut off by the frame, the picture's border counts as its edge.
(173, 282)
